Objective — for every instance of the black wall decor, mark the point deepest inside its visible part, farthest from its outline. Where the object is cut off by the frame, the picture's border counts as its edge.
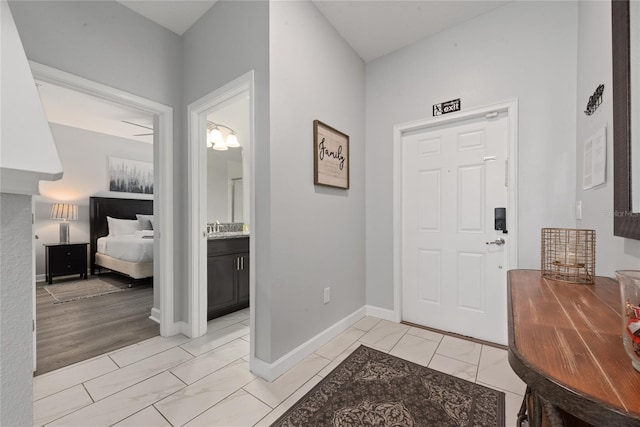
(446, 107)
(594, 101)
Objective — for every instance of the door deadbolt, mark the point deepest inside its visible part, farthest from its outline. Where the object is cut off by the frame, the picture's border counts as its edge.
(498, 242)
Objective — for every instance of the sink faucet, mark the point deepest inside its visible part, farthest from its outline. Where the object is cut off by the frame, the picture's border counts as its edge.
(216, 226)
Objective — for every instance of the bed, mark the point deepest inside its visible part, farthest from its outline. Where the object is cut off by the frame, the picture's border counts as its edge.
(131, 255)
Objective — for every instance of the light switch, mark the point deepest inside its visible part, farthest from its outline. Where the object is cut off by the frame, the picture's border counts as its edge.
(579, 209)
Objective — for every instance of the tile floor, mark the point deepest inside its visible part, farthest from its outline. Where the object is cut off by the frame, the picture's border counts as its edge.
(206, 381)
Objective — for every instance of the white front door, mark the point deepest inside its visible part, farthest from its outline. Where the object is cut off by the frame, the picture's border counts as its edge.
(453, 260)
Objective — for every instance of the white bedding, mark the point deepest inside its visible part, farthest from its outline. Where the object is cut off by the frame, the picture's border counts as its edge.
(128, 247)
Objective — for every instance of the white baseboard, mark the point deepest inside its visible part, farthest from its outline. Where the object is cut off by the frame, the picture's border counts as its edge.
(155, 315)
(382, 313)
(182, 328)
(271, 371)
(175, 328)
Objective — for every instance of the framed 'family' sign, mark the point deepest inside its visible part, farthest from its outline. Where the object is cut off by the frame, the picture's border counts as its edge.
(331, 156)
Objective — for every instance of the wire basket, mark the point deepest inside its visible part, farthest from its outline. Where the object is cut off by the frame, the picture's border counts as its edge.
(569, 255)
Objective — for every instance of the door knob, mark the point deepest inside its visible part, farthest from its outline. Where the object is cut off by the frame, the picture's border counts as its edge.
(498, 242)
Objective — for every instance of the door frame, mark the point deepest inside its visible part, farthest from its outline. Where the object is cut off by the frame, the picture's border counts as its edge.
(511, 108)
(197, 113)
(163, 266)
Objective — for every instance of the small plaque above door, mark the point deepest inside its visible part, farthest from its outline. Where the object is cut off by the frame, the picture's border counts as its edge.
(446, 107)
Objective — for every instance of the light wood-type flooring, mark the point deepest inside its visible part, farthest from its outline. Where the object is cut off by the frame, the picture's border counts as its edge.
(78, 330)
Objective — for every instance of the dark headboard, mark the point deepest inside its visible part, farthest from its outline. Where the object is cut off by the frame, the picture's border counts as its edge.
(101, 207)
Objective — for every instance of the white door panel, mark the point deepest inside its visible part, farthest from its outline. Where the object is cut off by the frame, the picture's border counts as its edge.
(453, 176)
(471, 203)
(429, 200)
(471, 279)
(429, 276)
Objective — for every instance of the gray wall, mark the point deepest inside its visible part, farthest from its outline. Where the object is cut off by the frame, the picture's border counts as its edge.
(105, 42)
(16, 313)
(524, 50)
(594, 67)
(317, 236)
(85, 158)
(211, 60)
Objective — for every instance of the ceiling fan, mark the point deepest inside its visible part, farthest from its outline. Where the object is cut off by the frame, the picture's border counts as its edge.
(139, 125)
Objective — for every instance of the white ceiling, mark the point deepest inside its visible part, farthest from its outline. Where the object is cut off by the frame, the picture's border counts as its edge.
(376, 28)
(67, 107)
(373, 28)
(175, 15)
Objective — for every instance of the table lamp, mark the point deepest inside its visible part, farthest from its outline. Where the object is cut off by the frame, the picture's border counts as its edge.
(65, 212)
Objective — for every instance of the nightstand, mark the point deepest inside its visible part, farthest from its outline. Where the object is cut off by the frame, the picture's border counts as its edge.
(62, 259)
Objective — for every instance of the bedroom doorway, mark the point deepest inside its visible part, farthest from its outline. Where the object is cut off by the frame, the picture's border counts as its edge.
(205, 114)
(160, 128)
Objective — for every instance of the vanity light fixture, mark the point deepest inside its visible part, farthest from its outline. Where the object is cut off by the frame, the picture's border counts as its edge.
(217, 141)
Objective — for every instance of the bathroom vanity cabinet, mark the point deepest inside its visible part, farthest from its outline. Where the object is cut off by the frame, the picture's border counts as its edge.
(227, 275)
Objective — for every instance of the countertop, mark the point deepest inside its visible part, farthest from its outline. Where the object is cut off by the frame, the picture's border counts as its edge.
(228, 235)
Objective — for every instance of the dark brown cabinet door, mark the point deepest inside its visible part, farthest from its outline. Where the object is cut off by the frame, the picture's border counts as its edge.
(243, 279)
(227, 276)
(222, 290)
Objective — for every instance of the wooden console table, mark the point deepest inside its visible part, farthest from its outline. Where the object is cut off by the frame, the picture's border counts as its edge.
(565, 342)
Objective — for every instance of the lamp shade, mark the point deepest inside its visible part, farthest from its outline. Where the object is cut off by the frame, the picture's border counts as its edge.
(220, 146)
(64, 211)
(215, 136)
(232, 140)
(211, 137)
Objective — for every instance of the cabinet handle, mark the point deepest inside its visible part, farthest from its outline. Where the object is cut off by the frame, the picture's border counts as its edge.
(242, 263)
(237, 263)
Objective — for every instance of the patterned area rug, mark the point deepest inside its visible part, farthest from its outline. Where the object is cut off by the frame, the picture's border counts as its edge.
(372, 388)
(80, 289)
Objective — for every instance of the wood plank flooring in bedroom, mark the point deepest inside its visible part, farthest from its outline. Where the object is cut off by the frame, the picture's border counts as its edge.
(78, 330)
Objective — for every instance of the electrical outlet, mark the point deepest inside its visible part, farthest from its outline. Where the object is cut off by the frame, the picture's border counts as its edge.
(327, 295)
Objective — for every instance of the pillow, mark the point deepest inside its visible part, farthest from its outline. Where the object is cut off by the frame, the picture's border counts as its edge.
(144, 234)
(145, 222)
(122, 227)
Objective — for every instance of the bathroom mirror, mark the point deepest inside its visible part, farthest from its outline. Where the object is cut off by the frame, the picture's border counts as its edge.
(224, 185)
(227, 200)
(626, 216)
